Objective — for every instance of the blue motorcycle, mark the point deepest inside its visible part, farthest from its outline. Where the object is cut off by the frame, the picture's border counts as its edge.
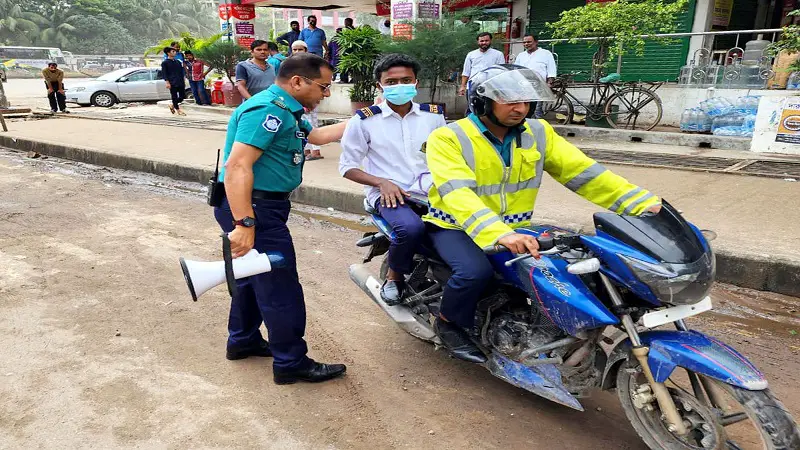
(590, 313)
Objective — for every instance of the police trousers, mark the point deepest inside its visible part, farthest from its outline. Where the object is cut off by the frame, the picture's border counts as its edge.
(471, 274)
(276, 297)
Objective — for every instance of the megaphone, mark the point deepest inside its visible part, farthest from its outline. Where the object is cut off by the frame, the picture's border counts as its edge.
(201, 276)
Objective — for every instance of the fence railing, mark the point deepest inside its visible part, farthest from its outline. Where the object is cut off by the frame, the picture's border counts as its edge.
(730, 56)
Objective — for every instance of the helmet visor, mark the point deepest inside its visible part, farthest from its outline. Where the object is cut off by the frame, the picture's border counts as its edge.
(516, 86)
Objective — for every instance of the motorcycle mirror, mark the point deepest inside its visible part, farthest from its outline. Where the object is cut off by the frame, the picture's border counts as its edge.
(586, 266)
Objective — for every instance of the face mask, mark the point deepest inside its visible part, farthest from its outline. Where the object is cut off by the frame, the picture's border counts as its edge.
(399, 94)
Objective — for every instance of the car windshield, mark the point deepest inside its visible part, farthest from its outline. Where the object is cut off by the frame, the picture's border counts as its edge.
(115, 75)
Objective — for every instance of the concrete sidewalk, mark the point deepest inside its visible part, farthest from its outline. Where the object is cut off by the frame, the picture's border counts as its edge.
(758, 244)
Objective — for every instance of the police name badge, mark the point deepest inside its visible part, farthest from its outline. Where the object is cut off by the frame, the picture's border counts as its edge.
(298, 158)
(271, 123)
(300, 134)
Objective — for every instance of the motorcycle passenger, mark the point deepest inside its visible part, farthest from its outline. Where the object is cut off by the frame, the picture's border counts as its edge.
(486, 170)
(386, 139)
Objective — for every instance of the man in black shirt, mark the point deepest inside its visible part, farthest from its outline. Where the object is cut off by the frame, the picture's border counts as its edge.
(173, 75)
(288, 38)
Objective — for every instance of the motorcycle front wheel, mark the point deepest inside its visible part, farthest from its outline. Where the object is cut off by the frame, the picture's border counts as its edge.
(717, 415)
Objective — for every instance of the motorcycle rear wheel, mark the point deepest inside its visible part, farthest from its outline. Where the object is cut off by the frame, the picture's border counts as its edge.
(711, 426)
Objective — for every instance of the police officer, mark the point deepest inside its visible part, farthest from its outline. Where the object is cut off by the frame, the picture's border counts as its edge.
(487, 169)
(263, 164)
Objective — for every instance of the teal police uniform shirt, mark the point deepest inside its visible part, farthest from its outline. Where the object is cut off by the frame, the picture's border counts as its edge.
(270, 121)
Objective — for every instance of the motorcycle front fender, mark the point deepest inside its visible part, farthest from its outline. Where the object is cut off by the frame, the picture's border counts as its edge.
(693, 351)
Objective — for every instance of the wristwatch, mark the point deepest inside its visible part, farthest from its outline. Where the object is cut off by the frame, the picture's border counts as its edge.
(247, 222)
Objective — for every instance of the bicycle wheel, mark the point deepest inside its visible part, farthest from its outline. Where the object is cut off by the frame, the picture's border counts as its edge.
(634, 108)
(559, 112)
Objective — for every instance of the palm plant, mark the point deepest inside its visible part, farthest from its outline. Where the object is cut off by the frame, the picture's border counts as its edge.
(14, 27)
(222, 56)
(358, 50)
(55, 27)
(178, 16)
(187, 41)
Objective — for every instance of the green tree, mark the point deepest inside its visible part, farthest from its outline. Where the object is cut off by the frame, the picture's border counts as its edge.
(55, 26)
(14, 27)
(179, 16)
(103, 34)
(618, 25)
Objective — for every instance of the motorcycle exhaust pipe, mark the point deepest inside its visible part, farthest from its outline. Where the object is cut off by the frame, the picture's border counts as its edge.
(402, 315)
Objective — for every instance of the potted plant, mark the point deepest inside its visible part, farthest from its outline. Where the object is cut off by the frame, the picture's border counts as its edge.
(618, 26)
(358, 50)
(222, 57)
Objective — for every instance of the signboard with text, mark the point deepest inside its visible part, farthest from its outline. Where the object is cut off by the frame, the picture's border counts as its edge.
(237, 22)
(403, 12)
(789, 125)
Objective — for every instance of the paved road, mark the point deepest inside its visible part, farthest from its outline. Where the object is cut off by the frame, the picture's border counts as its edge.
(31, 93)
(100, 345)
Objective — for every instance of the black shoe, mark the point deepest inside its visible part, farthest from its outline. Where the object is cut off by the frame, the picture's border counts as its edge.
(392, 292)
(457, 341)
(261, 349)
(315, 373)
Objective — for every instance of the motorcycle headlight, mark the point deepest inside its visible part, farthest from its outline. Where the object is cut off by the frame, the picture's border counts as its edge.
(677, 284)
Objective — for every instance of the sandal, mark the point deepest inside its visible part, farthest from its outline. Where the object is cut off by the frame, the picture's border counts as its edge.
(314, 158)
(172, 109)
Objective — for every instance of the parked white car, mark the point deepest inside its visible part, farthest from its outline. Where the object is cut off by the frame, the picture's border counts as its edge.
(134, 84)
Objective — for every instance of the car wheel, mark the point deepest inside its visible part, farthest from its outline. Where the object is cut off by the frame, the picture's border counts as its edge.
(104, 99)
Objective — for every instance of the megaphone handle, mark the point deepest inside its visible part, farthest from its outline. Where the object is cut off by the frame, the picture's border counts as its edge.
(228, 259)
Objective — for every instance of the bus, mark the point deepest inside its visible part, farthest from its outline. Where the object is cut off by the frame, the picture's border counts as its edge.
(35, 57)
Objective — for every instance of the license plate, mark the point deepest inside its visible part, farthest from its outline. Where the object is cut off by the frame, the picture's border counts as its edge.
(663, 316)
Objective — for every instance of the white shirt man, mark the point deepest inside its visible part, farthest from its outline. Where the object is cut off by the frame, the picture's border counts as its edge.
(382, 148)
(485, 56)
(539, 60)
(388, 146)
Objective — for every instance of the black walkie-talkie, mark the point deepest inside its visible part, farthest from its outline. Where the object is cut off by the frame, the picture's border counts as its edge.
(216, 189)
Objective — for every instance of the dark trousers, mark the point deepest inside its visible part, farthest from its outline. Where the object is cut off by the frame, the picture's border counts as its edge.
(344, 77)
(275, 297)
(178, 94)
(471, 274)
(58, 101)
(409, 230)
(199, 92)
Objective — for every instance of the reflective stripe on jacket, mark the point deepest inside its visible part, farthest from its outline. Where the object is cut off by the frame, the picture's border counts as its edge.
(474, 190)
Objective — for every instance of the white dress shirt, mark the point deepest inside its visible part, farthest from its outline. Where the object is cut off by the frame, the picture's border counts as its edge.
(477, 60)
(389, 146)
(541, 61)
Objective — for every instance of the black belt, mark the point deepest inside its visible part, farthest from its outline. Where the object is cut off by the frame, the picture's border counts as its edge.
(267, 195)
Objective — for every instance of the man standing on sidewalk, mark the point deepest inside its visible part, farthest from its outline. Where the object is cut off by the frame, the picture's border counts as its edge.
(314, 38)
(197, 78)
(539, 60)
(255, 74)
(289, 37)
(263, 164)
(477, 60)
(54, 80)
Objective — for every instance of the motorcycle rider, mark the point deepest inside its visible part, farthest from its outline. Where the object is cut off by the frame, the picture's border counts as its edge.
(387, 140)
(486, 170)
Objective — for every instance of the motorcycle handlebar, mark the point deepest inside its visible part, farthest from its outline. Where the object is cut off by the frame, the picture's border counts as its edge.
(546, 242)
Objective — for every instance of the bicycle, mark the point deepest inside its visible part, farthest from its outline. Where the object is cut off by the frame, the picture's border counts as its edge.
(629, 105)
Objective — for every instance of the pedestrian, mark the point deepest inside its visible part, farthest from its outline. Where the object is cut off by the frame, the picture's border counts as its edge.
(348, 23)
(541, 61)
(178, 54)
(197, 78)
(255, 74)
(290, 36)
(311, 151)
(262, 165)
(275, 57)
(173, 75)
(54, 81)
(314, 38)
(479, 59)
(333, 53)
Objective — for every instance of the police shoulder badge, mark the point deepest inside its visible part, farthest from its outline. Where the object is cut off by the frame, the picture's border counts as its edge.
(271, 123)
(298, 158)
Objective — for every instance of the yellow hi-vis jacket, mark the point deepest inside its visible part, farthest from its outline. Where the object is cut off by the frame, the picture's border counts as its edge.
(473, 189)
